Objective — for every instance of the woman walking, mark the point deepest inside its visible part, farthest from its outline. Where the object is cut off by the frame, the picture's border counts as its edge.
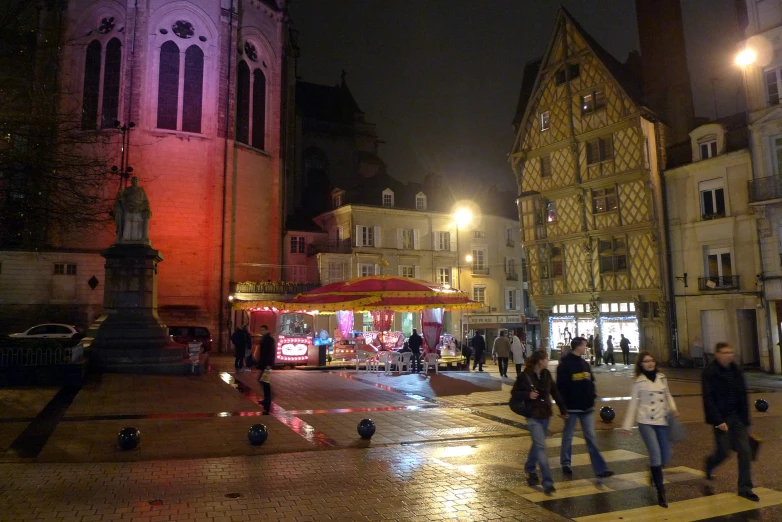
(536, 385)
(517, 353)
(650, 405)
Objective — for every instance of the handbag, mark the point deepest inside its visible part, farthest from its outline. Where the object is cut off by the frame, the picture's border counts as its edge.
(266, 376)
(676, 430)
(518, 404)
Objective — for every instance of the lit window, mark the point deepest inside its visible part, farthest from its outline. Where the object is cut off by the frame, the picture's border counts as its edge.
(614, 307)
(571, 308)
(388, 198)
(545, 166)
(551, 212)
(604, 307)
(622, 307)
(544, 120)
(420, 201)
(592, 102)
(604, 200)
(580, 309)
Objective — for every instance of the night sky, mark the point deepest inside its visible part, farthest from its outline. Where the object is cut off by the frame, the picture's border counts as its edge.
(440, 78)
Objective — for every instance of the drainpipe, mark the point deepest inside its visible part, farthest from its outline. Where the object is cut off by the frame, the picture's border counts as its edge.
(674, 338)
(229, 50)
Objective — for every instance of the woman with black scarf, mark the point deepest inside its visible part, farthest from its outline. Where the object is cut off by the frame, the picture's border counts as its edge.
(651, 403)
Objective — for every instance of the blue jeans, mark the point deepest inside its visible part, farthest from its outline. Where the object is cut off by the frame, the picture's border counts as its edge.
(657, 443)
(538, 428)
(587, 419)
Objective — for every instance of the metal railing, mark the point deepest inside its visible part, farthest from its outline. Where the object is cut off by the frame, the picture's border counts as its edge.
(718, 283)
(31, 356)
(509, 242)
(511, 276)
(764, 189)
(273, 287)
(482, 271)
(329, 246)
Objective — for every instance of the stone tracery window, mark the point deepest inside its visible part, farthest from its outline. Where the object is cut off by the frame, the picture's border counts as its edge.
(101, 103)
(250, 100)
(191, 83)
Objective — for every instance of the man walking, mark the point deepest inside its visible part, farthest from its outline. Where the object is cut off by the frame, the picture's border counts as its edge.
(609, 356)
(577, 386)
(415, 342)
(265, 364)
(466, 353)
(727, 411)
(240, 340)
(478, 347)
(501, 350)
(624, 344)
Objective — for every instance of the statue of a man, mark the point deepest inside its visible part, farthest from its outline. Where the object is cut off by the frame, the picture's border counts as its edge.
(132, 213)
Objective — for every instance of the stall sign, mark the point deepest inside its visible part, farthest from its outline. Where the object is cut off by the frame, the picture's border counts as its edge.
(487, 319)
(292, 348)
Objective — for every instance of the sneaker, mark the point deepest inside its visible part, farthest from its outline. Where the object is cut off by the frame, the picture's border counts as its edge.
(533, 479)
(548, 490)
(606, 474)
(749, 496)
(567, 470)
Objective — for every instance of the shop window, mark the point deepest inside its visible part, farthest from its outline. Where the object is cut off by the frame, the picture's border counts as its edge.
(613, 255)
(600, 149)
(604, 200)
(545, 166)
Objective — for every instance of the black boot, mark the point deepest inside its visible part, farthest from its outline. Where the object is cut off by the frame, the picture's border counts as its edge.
(657, 478)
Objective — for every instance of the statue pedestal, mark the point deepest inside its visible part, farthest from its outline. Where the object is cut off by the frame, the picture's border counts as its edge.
(129, 336)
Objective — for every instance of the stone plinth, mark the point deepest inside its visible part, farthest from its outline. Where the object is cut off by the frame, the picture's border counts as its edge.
(129, 336)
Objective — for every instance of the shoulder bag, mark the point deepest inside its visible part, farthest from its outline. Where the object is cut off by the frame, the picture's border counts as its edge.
(520, 405)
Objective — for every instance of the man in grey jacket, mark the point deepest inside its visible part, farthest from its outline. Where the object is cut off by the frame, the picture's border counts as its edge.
(501, 350)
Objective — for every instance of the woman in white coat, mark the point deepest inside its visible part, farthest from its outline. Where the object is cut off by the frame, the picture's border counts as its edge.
(517, 352)
(649, 407)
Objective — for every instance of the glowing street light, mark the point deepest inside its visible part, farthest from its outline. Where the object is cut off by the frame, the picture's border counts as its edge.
(468, 258)
(746, 57)
(462, 216)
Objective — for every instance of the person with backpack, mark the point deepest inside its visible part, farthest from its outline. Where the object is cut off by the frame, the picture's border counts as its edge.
(536, 387)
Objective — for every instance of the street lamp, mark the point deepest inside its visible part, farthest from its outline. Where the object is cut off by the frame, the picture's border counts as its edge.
(746, 57)
(462, 217)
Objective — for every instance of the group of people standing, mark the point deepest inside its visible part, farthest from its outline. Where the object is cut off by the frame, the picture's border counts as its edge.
(264, 360)
(652, 407)
(599, 355)
(506, 347)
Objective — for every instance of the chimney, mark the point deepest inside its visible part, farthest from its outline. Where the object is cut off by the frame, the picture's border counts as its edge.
(666, 78)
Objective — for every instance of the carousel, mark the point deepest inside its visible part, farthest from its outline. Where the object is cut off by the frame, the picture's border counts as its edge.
(380, 297)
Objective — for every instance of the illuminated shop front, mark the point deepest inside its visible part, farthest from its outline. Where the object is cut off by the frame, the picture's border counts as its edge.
(617, 319)
(568, 321)
(577, 320)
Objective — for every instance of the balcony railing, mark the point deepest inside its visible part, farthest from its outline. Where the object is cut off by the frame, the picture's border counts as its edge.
(480, 271)
(765, 189)
(708, 284)
(509, 242)
(330, 246)
(511, 276)
(273, 287)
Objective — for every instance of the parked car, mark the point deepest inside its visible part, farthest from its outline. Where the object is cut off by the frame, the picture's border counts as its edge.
(50, 331)
(187, 334)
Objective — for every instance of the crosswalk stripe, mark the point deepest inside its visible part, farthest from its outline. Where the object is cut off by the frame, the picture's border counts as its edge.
(693, 509)
(582, 487)
(582, 459)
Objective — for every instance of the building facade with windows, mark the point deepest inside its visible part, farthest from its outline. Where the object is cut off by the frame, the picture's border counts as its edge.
(715, 257)
(763, 85)
(587, 160)
(205, 85)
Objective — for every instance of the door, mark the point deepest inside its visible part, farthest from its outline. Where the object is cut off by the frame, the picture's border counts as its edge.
(748, 350)
(713, 329)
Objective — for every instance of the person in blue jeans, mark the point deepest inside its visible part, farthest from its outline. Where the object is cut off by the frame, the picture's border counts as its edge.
(650, 406)
(576, 384)
(536, 385)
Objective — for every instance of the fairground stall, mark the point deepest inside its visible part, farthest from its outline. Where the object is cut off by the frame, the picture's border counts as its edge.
(380, 297)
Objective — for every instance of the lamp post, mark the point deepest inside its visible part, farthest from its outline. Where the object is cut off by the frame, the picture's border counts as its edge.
(461, 217)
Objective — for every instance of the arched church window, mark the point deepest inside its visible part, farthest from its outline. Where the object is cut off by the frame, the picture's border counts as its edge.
(243, 103)
(111, 75)
(168, 86)
(91, 90)
(259, 109)
(193, 89)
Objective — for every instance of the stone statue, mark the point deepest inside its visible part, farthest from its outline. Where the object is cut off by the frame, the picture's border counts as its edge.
(131, 214)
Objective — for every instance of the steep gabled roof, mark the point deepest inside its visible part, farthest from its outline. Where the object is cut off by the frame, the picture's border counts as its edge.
(628, 83)
(527, 86)
(325, 103)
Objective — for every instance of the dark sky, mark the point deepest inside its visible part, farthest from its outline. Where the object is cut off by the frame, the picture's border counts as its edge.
(441, 77)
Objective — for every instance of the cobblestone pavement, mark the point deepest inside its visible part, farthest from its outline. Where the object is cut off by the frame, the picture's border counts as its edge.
(446, 447)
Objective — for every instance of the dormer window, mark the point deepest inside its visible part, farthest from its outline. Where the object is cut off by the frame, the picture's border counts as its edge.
(708, 147)
(388, 198)
(420, 201)
(337, 198)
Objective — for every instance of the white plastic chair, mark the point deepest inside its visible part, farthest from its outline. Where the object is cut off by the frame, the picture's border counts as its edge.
(362, 356)
(431, 362)
(405, 361)
(395, 360)
(372, 362)
(386, 358)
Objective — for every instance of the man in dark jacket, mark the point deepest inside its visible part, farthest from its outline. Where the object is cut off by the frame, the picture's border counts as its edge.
(415, 342)
(265, 364)
(727, 410)
(240, 340)
(478, 348)
(576, 384)
(624, 344)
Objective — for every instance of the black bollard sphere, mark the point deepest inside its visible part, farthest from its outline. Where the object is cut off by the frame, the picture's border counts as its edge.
(257, 434)
(129, 438)
(607, 413)
(761, 405)
(366, 428)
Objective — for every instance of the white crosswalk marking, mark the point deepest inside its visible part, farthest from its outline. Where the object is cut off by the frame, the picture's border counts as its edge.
(690, 510)
(582, 459)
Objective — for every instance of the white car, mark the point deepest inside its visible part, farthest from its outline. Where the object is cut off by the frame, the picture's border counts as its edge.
(48, 331)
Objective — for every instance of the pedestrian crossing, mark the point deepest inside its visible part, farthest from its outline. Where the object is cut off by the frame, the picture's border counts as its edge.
(624, 497)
